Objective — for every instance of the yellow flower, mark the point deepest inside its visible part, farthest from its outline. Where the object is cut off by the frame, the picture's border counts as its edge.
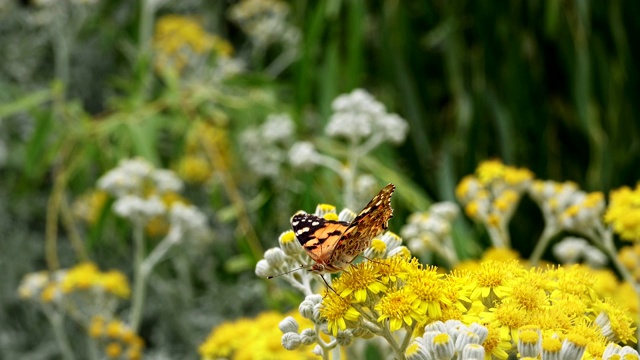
(358, 280)
(576, 280)
(497, 343)
(507, 316)
(395, 268)
(615, 321)
(492, 279)
(428, 286)
(623, 212)
(399, 307)
(500, 254)
(225, 341)
(337, 311)
(116, 283)
(96, 328)
(490, 170)
(80, 277)
(90, 206)
(194, 169)
(113, 350)
(515, 176)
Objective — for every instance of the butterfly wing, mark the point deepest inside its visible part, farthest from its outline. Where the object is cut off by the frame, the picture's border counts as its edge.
(317, 235)
(369, 223)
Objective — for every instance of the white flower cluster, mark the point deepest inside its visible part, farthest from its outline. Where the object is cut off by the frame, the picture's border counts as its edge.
(431, 230)
(133, 175)
(572, 249)
(615, 351)
(310, 309)
(264, 146)
(530, 346)
(138, 187)
(449, 340)
(265, 22)
(358, 116)
(57, 291)
(567, 207)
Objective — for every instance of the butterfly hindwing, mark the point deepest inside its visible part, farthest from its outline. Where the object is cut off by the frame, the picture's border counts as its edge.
(369, 223)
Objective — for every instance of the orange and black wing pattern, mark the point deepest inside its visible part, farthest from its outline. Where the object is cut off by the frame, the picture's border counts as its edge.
(333, 245)
(317, 235)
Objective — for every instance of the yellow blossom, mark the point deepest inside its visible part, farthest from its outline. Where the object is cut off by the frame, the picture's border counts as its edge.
(224, 341)
(358, 280)
(497, 343)
(399, 307)
(492, 279)
(623, 212)
(428, 286)
(337, 311)
(113, 350)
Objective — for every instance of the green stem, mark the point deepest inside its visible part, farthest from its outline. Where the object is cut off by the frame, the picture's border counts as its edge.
(139, 276)
(57, 323)
(543, 242)
(145, 36)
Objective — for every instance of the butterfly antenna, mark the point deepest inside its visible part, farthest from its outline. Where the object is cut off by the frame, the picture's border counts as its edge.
(285, 273)
(326, 283)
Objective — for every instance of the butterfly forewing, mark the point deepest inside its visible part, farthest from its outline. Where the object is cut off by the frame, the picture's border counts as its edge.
(317, 235)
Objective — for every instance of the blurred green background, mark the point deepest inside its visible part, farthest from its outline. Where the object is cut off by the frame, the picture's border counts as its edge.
(547, 85)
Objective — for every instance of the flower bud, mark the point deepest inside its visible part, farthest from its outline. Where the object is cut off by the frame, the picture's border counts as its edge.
(275, 257)
(288, 324)
(308, 336)
(291, 341)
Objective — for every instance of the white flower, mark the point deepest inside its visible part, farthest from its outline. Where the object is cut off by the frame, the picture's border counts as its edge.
(127, 178)
(278, 127)
(358, 115)
(138, 209)
(188, 217)
(32, 284)
(570, 250)
(595, 258)
(166, 181)
(393, 127)
(118, 183)
(303, 154)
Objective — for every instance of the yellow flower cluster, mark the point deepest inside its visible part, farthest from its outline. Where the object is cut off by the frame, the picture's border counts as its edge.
(87, 276)
(623, 213)
(179, 38)
(491, 195)
(116, 339)
(84, 278)
(257, 338)
(206, 151)
(89, 206)
(503, 296)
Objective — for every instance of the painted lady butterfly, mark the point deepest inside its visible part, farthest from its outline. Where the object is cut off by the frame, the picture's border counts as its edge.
(333, 245)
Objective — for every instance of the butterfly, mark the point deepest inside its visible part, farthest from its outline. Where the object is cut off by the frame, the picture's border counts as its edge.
(332, 244)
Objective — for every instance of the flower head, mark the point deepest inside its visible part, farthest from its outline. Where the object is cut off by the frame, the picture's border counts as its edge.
(399, 307)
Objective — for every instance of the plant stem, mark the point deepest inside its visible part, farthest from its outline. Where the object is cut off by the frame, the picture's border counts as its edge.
(139, 276)
(57, 323)
(543, 242)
